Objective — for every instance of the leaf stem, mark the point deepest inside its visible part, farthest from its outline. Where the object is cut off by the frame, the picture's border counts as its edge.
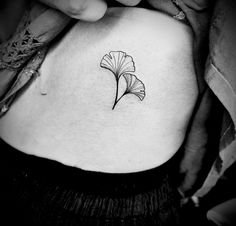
(120, 97)
(117, 89)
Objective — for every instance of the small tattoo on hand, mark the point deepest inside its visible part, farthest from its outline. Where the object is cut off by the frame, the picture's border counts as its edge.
(122, 65)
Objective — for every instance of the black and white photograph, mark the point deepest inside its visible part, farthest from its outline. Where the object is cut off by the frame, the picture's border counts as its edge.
(118, 112)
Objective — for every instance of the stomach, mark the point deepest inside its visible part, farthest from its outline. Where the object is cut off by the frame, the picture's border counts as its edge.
(112, 96)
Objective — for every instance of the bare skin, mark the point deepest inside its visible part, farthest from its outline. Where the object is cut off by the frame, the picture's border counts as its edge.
(74, 123)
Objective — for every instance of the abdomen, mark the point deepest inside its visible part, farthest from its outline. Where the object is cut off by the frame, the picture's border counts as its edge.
(77, 123)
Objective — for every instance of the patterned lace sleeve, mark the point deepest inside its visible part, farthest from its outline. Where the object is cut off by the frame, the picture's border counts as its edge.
(22, 55)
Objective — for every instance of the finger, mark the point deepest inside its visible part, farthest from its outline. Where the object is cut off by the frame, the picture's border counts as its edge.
(129, 2)
(89, 10)
(93, 10)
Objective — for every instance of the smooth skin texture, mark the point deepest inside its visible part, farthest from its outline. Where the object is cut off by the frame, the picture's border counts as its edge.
(74, 123)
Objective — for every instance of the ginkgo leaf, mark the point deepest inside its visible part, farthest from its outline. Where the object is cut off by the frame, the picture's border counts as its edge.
(134, 86)
(118, 63)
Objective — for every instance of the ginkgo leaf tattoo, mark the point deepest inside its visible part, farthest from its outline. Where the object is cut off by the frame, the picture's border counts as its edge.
(122, 65)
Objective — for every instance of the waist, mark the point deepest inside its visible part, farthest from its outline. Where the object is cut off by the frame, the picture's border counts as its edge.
(18, 164)
(74, 196)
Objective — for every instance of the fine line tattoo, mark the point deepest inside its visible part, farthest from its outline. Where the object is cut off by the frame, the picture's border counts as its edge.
(121, 65)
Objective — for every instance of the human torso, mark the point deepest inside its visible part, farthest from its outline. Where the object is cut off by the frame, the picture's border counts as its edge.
(66, 113)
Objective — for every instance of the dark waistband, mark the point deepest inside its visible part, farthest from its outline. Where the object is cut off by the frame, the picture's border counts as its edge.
(15, 162)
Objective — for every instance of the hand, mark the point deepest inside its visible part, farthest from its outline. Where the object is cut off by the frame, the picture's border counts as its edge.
(88, 10)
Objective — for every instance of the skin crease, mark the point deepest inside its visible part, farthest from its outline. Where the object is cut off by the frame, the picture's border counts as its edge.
(74, 122)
